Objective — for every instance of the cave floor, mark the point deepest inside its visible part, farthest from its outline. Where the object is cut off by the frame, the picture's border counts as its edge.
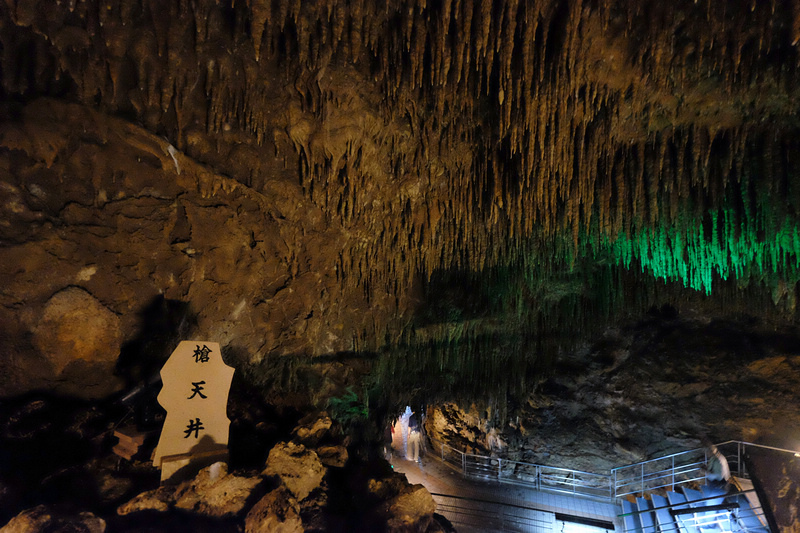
(485, 505)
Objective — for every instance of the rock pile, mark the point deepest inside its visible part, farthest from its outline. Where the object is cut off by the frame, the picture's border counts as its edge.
(308, 483)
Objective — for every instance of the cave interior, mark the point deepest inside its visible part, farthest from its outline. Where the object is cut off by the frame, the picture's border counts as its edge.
(576, 222)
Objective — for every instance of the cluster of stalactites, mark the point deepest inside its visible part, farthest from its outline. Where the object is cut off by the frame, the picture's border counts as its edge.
(575, 110)
(575, 114)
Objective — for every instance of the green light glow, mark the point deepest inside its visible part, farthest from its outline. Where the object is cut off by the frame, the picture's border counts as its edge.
(758, 249)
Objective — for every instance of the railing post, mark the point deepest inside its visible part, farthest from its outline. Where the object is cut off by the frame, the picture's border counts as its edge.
(464, 463)
(499, 468)
(642, 480)
(672, 487)
(739, 458)
(614, 488)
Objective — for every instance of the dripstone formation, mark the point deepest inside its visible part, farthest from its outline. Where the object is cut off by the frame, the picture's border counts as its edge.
(453, 194)
(298, 173)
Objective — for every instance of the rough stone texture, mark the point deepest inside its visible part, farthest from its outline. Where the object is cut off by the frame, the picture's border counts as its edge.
(411, 510)
(216, 493)
(213, 492)
(406, 507)
(160, 499)
(74, 326)
(42, 518)
(333, 455)
(309, 432)
(650, 389)
(298, 468)
(277, 512)
(256, 269)
(779, 479)
(294, 174)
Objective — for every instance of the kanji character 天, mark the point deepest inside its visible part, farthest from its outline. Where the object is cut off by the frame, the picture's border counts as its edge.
(198, 386)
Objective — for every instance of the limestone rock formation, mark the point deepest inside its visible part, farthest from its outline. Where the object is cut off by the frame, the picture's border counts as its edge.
(781, 484)
(298, 468)
(213, 492)
(233, 257)
(302, 176)
(309, 432)
(336, 456)
(407, 508)
(418, 186)
(42, 518)
(652, 388)
(278, 511)
(75, 327)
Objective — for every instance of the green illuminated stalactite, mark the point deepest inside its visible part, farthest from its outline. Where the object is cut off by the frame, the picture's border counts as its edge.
(762, 248)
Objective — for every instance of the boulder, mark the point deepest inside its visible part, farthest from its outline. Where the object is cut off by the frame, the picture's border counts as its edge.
(76, 340)
(42, 518)
(405, 507)
(310, 432)
(333, 455)
(277, 512)
(160, 499)
(411, 510)
(76, 326)
(213, 493)
(299, 469)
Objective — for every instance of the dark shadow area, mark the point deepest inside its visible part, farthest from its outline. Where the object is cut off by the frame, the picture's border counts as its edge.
(776, 479)
(256, 426)
(174, 521)
(164, 323)
(52, 449)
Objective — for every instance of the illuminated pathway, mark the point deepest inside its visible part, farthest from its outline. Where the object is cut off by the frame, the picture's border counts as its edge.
(474, 506)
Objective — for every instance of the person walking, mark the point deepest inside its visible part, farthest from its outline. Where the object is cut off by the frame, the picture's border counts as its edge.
(412, 452)
(718, 473)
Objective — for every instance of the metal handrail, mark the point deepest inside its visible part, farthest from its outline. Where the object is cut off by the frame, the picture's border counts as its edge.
(589, 484)
(727, 442)
(638, 475)
(540, 477)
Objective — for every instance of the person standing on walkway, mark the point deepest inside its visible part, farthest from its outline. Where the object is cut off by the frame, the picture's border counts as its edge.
(412, 452)
(718, 473)
(404, 418)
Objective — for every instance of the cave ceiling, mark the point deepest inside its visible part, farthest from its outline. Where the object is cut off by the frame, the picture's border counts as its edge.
(327, 176)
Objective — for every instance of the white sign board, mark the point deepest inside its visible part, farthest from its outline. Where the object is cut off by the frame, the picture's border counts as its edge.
(195, 389)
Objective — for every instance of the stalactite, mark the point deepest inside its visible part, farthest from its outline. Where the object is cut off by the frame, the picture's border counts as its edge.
(568, 144)
(261, 11)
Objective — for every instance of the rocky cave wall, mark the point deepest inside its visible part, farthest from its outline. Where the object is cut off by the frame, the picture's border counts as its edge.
(295, 173)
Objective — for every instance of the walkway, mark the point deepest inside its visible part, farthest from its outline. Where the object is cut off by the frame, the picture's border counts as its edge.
(487, 506)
